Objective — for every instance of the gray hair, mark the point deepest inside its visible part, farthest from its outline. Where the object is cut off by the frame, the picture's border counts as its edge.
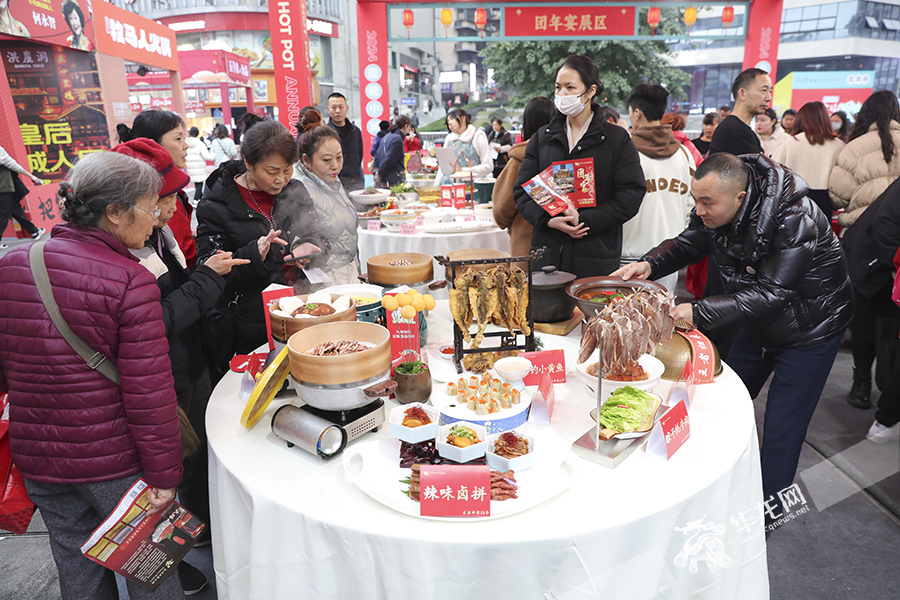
(103, 179)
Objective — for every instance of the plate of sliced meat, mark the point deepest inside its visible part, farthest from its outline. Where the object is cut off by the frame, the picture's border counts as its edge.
(374, 467)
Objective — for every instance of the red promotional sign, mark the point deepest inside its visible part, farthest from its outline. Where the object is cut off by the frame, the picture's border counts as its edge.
(194, 105)
(676, 428)
(569, 21)
(46, 21)
(290, 54)
(545, 362)
(269, 296)
(704, 361)
(543, 402)
(761, 45)
(132, 37)
(237, 68)
(371, 20)
(165, 102)
(455, 491)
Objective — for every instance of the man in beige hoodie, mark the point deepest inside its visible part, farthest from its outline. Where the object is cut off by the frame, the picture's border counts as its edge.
(668, 170)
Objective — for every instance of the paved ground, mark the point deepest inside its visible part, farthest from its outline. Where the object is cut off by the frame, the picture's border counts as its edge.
(844, 547)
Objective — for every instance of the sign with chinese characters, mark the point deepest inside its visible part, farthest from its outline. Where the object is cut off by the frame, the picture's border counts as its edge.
(543, 402)
(270, 295)
(290, 54)
(194, 106)
(165, 102)
(761, 45)
(568, 21)
(703, 356)
(372, 39)
(455, 491)
(544, 362)
(135, 38)
(65, 23)
(671, 432)
(58, 103)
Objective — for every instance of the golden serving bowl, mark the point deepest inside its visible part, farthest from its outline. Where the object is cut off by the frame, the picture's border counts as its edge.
(675, 353)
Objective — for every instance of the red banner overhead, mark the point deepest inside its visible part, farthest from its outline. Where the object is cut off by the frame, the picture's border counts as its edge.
(290, 54)
(763, 26)
(568, 21)
(371, 22)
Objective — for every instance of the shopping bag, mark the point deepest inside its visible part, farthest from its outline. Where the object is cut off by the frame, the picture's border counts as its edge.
(16, 508)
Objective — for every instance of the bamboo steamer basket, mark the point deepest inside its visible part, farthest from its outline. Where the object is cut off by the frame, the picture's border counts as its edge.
(345, 369)
(421, 269)
(284, 327)
(474, 254)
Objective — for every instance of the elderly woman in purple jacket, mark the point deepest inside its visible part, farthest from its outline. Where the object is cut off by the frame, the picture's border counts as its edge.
(79, 440)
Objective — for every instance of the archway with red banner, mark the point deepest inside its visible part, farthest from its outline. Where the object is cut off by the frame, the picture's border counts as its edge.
(519, 21)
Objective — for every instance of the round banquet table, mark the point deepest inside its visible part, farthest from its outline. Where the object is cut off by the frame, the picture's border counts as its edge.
(373, 243)
(287, 524)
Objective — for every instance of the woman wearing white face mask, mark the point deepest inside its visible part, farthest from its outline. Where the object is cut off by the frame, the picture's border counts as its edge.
(585, 241)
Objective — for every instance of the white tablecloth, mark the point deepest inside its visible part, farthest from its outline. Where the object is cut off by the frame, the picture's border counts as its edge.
(288, 525)
(373, 243)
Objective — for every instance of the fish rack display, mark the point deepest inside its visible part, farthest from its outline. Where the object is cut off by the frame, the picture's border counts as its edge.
(509, 341)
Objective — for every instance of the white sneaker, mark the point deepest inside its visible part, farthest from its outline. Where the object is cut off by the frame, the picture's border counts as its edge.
(3, 246)
(879, 434)
(40, 232)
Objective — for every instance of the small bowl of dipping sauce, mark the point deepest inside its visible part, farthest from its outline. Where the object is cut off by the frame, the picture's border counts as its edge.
(512, 368)
(446, 351)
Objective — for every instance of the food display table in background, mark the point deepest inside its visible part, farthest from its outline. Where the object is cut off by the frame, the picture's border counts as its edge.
(373, 243)
(286, 524)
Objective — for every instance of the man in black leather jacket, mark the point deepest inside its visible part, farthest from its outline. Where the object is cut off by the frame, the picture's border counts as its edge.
(786, 289)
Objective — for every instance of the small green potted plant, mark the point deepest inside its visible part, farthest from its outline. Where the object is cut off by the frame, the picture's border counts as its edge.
(413, 382)
(405, 193)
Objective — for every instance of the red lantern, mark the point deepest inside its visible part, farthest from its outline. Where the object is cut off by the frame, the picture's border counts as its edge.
(480, 19)
(653, 17)
(446, 20)
(409, 20)
(727, 16)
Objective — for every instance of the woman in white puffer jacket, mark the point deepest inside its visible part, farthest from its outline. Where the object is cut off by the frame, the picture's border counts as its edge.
(195, 161)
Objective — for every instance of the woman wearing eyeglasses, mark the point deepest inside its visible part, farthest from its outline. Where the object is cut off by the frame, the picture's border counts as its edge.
(80, 440)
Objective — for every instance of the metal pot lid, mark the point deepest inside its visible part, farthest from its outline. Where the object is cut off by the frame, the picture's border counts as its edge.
(548, 278)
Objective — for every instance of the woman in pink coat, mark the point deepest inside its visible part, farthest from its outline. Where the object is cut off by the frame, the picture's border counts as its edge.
(80, 440)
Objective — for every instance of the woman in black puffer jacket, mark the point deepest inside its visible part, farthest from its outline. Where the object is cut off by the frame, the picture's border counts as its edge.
(254, 209)
(585, 241)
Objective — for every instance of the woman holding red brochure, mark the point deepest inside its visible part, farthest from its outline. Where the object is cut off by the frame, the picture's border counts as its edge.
(585, 241)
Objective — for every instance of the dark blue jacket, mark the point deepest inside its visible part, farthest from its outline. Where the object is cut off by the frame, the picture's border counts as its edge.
(389, 160)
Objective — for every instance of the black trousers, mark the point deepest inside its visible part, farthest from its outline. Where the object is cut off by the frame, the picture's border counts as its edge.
(193, 491)
(10, 207)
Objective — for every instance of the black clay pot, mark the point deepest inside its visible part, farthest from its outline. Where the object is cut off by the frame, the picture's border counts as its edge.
(549, 301)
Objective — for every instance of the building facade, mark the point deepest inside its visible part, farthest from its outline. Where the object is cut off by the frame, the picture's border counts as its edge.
(850, 47)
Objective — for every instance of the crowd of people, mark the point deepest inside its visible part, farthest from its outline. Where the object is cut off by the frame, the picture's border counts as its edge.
(169, 307)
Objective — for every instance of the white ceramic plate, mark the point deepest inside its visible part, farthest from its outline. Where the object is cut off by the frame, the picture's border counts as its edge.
(380, 196)
(652, 365)
(453, 408)
(374, 468)
(458, 227)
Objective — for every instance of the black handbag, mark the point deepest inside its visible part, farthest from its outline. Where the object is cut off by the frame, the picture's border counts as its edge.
(221, 338)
